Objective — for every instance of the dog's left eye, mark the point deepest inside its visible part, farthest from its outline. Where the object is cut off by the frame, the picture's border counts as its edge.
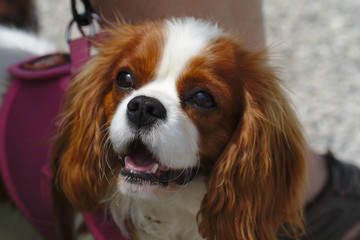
(124, 80)
(202, 99)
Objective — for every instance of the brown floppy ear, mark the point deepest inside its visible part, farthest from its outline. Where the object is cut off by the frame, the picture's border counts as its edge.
(256, 187)
(77, 149)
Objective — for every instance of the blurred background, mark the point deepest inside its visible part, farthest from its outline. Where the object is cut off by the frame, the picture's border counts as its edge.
(315, 46)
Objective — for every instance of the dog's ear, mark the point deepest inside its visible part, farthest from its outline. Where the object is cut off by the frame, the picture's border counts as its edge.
(76, 163)
(256, 187)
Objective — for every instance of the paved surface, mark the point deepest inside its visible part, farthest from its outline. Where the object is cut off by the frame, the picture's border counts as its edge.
(317, 48)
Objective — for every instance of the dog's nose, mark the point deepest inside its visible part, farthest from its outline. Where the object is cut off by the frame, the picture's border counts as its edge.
(144, 111)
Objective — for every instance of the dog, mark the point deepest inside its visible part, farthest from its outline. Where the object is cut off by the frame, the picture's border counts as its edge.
(183, 133)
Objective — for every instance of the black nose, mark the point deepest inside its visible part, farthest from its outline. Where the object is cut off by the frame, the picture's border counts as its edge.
(144, 111)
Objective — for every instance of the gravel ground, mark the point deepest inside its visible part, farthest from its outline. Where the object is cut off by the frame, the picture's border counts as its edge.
(317, 45)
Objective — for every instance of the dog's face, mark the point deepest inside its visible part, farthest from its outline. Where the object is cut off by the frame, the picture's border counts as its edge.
(164, 103)
(173, 105)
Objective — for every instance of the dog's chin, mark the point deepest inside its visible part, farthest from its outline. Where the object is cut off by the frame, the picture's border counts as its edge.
(145, 190)
(142, 175)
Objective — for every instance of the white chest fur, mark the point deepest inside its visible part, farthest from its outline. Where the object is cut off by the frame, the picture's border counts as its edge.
(171, 218)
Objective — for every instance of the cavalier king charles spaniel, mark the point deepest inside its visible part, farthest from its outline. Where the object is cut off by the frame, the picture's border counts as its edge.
(183, 133)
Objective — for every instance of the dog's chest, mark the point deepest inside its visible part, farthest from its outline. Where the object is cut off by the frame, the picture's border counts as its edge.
(155, 221)
(173, 218)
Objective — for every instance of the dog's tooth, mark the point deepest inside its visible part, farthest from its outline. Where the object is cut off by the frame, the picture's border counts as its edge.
(153, 169)
(126, 161)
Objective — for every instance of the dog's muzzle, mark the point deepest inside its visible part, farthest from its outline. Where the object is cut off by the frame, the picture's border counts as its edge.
(140, 166)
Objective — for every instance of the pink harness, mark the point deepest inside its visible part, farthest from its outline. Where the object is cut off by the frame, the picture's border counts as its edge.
(27, 125)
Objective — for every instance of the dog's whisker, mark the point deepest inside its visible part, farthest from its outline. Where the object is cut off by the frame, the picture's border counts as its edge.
(105, 153)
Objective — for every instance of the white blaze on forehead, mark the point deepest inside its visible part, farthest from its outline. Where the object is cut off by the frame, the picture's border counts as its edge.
(184, 39)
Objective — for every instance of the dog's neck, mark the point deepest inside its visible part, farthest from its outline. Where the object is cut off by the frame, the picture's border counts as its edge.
(169, 218)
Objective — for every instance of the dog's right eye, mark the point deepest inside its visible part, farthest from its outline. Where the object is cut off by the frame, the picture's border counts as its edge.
(124, 80)
(203, 100)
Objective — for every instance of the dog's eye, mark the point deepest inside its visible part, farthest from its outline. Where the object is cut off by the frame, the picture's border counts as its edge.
(124, 80)
(202, 99)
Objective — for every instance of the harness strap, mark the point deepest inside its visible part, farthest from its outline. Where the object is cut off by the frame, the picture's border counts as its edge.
(80, 53)
(27, 125)
(102, 226)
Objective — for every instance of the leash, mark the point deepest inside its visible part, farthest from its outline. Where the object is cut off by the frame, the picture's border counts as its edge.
(85, 18)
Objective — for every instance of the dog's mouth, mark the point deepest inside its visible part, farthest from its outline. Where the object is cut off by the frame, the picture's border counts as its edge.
(140, 167)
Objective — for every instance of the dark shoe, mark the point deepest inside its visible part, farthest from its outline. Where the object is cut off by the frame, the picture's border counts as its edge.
(337, 208)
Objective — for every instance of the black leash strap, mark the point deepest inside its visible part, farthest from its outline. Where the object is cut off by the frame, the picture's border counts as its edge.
(84, 18)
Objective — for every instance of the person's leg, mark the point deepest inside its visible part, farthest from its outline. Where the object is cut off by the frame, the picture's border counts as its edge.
(317, 175)
(332, 208)
(244, 17)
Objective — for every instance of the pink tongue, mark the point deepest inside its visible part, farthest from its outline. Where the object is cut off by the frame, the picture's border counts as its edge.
(140, 159)
(130, 164)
